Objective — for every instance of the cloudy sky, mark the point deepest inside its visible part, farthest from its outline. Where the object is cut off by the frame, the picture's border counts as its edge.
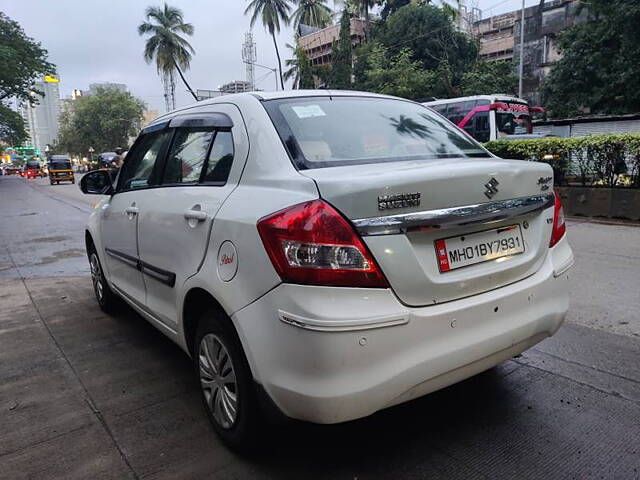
(97, 41)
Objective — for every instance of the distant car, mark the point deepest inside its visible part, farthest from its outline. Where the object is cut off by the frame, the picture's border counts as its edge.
(33, 169)
(330, 253)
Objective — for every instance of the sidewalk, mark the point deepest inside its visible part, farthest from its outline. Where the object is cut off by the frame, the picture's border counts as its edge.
(85, 395)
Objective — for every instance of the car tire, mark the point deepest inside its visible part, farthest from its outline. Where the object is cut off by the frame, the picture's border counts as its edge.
(108, 301)
(227, 382)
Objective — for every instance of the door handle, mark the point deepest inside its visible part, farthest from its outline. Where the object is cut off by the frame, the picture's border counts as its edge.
(131, 210)
(198, 215)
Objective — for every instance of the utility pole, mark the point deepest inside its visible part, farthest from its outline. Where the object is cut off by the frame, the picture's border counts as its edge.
(249, 57)
(521, 69)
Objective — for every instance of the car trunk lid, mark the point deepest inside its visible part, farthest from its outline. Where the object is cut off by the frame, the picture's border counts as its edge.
(404, 210)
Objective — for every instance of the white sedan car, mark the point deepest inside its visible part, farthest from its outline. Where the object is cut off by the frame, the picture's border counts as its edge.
(328, 254)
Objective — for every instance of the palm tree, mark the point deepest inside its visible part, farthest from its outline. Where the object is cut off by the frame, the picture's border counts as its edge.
(359, 8)
(271, 12)
(314, 13)
(293, 67)
(169, 49)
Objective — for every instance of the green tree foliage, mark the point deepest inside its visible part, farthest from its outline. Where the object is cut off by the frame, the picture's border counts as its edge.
(271, 13)
(397, 75)
(315, 13)
(23, 61)
(428, 32)
(342, 55)
(171, 52)
(12, 131)
(599, 71)
(103, 121)
(489, 77)
(391, 6)
(299, 69)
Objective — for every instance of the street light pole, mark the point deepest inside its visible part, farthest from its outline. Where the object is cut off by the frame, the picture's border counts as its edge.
(521, 69)
(91, 150)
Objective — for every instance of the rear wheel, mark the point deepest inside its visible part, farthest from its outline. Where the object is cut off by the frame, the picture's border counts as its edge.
(226, 383)
(108, 301)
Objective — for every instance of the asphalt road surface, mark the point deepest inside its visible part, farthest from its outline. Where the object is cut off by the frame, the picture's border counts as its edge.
(85, 395)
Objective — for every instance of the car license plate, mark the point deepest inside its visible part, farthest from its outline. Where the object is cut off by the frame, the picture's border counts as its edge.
(478, 247)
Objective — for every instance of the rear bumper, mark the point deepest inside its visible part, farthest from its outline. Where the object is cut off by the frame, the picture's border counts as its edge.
(329, 355)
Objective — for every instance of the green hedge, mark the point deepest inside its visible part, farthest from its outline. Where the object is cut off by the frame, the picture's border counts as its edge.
(595, 159)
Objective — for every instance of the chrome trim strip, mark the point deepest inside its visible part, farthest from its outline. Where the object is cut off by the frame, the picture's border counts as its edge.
(456, 216)
(341, 325)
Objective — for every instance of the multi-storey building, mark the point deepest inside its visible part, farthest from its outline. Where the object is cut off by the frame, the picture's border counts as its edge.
(499, 38)
(318, 44)
(237, 86)
(41, 117)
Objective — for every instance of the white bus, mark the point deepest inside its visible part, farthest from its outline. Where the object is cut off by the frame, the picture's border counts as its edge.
(487, 117)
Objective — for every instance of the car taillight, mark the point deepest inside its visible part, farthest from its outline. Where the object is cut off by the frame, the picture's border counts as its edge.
(311, 243)
(559, 227)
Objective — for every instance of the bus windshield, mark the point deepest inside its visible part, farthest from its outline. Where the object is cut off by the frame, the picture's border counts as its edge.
(512, 118)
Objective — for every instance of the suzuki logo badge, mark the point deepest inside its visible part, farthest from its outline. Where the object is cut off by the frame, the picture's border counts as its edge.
(491, 188)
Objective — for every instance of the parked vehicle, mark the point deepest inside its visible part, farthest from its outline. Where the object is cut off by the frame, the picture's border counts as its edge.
(60, 169)
(487, 117)
(363, 252)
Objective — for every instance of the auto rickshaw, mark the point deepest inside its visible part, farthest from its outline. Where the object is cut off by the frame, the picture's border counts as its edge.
(60, 169)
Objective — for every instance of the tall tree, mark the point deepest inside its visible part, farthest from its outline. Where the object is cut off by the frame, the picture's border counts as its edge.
(489, 77)
(342, 55)
(315, 13)
(12, 130)
(599, 71)
(103, 121)
(362, 9)
(398, 74)
(299, 69)
(271, 13)
(167, 47)
(23, 61)
(429, 33)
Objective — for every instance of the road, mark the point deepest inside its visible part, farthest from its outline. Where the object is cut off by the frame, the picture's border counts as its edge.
(86, 395)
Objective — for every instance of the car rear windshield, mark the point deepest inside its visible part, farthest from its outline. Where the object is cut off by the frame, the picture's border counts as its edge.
(332, 131)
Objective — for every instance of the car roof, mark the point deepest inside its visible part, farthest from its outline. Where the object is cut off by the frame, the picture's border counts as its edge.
(259, 95)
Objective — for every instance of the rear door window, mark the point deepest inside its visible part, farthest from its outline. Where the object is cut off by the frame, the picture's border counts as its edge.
(187, 155)
(220, 159)
(139, 169)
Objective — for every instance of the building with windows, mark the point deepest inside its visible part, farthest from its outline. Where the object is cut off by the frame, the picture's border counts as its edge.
(318, 44)
(237, 86)
(499, 38)
(41, 117)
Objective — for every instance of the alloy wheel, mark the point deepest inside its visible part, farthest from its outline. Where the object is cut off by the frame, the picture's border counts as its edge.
(96, 276)
(218, 380)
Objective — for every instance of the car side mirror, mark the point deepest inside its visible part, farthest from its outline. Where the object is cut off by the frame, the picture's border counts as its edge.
(97, 182)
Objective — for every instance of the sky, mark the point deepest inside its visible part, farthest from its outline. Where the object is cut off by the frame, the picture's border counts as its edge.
(93, 41)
